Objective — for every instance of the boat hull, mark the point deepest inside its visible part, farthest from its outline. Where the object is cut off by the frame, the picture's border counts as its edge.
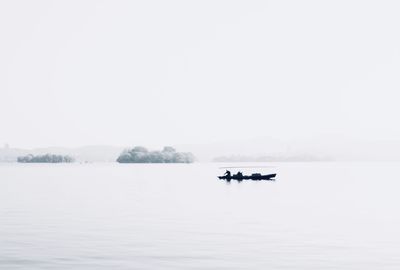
(249, 177)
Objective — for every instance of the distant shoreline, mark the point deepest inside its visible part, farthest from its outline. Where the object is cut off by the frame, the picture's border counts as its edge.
(300, 158)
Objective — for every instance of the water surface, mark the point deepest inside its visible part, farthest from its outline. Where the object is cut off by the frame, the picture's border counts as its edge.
(170, 216)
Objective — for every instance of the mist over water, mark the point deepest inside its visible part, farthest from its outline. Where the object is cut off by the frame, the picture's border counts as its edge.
(226, 81)
(131, 216)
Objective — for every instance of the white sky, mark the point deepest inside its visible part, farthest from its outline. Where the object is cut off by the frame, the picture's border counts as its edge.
(172, 72)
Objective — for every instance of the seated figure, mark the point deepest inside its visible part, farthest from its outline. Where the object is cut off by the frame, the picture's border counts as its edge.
(239, 175)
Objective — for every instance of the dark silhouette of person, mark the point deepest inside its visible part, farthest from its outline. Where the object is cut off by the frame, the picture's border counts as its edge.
(228, 174)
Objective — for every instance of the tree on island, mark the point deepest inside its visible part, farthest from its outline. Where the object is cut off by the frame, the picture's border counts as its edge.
(48, 158)
(140, 154)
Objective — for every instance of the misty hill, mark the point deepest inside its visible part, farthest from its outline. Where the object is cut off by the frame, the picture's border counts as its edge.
(48, 158)
(256, 150)
(261, 149)
(322, 148)
(140, 154)
(93, 153)
(275, 158)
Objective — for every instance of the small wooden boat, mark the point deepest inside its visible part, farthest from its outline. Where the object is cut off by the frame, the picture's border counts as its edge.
(254, 176)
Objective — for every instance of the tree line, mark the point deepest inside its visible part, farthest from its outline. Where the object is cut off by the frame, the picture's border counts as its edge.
(140, 154)
(47, 158)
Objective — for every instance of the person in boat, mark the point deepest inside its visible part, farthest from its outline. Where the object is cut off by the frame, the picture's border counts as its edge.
(239, 175)
(227, 174)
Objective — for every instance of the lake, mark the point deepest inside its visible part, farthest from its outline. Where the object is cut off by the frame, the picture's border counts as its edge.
(180, 216)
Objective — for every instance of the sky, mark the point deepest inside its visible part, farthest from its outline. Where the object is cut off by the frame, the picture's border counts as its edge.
(173, 72)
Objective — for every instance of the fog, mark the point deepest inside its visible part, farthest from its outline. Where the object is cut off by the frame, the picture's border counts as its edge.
(158, 73)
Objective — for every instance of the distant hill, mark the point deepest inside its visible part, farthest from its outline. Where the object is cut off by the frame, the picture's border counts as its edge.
(323, 148)
(11, 154)
(93, 153)
(257, 149)
(275, 158)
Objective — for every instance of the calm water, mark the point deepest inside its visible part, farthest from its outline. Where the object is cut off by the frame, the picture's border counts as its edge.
(121, 216)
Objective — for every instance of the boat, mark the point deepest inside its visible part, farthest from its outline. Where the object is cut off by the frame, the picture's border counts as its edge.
(254, 176)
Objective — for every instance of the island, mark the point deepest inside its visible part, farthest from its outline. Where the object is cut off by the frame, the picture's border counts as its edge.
(140, 154)
(47, 158)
